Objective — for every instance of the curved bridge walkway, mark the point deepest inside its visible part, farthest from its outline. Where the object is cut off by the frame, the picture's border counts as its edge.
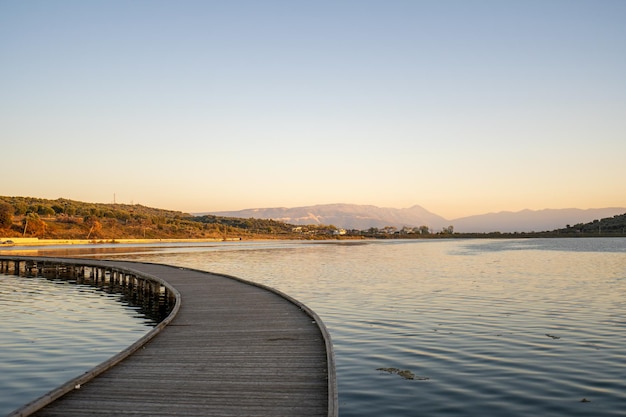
(233, 349)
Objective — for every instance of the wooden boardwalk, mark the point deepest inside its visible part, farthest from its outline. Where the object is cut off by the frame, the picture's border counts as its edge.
(232, 349)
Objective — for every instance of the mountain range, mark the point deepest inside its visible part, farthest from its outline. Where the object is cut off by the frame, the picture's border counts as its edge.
(363, 217)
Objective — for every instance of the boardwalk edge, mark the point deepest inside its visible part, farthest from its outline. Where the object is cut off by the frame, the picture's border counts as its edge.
(51, 396)
(75, 383)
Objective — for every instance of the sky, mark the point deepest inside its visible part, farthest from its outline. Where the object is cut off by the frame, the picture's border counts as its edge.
(462, 107)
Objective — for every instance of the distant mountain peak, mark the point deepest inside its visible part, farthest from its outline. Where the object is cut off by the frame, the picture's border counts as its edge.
(531, 220)
(344, 215)
(363, 217)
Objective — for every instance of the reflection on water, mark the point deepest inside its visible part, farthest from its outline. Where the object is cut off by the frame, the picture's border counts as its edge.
(498, 328)
(53, 331)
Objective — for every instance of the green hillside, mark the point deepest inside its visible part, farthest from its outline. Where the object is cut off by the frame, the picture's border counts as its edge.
(69, 219)
(609, 226)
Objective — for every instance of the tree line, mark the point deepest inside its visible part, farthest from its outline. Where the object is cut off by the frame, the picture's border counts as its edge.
(69, 219)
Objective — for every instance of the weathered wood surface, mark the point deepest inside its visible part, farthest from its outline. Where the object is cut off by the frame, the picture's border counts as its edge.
(233, 349)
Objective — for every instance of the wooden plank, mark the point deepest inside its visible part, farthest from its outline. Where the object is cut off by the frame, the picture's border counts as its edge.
(233, 349)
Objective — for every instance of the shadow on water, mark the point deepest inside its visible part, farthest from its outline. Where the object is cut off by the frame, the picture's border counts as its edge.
(152, 301)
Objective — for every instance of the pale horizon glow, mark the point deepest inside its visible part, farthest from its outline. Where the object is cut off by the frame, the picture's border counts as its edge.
(461, 107)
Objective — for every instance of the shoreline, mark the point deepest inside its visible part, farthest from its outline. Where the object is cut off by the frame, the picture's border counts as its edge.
(50, 242)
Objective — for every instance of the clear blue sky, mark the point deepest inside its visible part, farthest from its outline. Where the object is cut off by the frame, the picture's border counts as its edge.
(463, 107)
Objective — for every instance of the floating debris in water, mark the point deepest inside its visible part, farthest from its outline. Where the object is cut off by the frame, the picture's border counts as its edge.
(552, 336)
(584, 400)
(404, 373)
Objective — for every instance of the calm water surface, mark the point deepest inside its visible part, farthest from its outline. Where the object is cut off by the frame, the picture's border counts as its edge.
(483, 328)
(52, 331)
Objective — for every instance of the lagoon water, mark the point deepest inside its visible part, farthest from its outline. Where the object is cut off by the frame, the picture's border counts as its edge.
(52, 331)
(449, 327)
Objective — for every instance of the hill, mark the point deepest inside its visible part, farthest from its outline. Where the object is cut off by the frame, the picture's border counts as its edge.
(68, 219)
(531, 220)
(364, 217)
(608, 226)
(346, 216)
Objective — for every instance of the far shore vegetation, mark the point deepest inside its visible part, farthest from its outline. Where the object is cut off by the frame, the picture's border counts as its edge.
(27, 217)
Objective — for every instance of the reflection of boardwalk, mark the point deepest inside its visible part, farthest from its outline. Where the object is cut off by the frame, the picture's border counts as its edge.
(233, 349)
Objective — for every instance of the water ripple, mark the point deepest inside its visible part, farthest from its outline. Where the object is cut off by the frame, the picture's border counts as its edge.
(508, 328)
(53, 331)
